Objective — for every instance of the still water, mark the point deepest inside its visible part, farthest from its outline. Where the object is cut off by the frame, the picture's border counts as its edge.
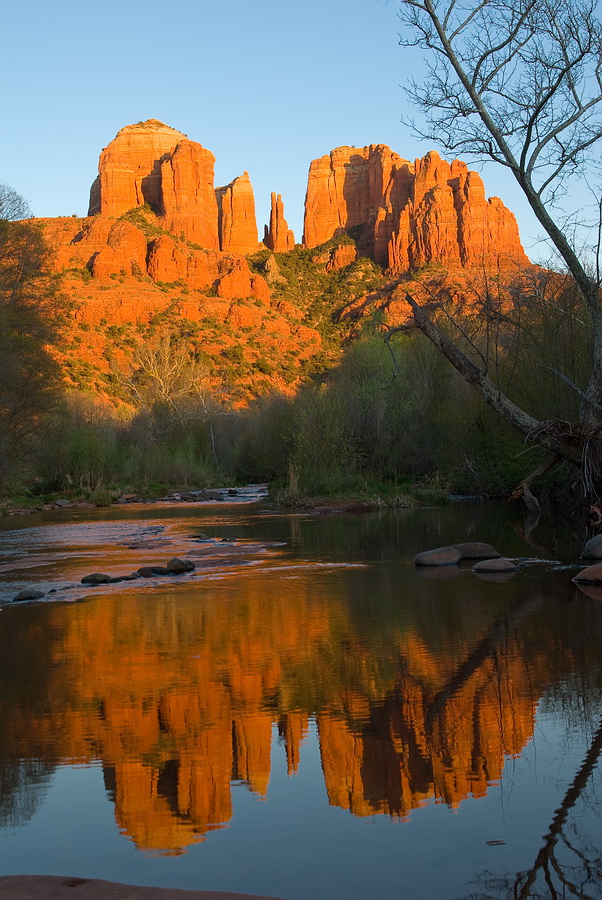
(307, 715)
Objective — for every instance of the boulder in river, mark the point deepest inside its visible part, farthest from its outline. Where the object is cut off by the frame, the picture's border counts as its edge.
(441, 556)
(96, 578)
(591, 575)
(210, 495)
(593, 548)
(28, 593)
(177, 566)
(494, 566)
(477, 550)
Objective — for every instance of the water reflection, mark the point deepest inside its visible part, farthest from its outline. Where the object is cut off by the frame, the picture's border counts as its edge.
(420, 690)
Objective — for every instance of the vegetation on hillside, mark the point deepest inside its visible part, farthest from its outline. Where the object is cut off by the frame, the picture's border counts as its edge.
(374, 419)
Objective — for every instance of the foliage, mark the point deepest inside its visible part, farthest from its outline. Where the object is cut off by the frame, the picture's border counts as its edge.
(30, 317)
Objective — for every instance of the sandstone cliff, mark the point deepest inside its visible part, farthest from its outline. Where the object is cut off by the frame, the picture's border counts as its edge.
(237, 221)
(129, 169)
(409, 215)
(278, 236)
(161, 237)
(150, 164)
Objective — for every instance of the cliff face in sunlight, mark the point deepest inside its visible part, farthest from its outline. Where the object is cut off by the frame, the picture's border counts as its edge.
(162, 244)
(178, 701)
(409, 215)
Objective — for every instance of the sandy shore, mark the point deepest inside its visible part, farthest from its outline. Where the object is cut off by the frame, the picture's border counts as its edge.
(51, 887)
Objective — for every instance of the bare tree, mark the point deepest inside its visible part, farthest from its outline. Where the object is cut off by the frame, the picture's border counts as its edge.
(519, 82)
(12, 205)
(166, 373)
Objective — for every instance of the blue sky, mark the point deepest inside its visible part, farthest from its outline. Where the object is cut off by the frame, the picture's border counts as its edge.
(266, 86)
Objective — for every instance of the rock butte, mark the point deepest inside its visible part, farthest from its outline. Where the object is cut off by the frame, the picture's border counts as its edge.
(156, 220)
(409, 215)
(404, 215)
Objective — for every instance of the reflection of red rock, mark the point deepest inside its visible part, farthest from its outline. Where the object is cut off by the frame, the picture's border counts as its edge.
(178, 701)
(410, 215)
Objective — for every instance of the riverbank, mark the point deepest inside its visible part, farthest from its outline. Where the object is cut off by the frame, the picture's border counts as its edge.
(250, 493)
(52, 887)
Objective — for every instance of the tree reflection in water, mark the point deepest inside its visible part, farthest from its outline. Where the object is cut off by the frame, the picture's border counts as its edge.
(569, 862)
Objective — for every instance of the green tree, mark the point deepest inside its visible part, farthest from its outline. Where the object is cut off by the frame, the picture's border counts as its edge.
(29, 319)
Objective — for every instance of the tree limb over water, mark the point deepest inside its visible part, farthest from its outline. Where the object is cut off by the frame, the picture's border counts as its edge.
(519, 82)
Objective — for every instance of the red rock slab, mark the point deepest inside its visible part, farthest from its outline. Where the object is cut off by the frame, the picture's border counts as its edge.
(51, 887)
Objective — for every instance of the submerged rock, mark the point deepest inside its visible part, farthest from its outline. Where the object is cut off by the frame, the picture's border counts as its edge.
(441, 556)
(151, 571)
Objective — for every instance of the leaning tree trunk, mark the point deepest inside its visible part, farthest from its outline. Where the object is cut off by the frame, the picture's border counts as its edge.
(578, 443)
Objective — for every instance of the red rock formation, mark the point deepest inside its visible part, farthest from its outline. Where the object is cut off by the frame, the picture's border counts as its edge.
(278, 237)
(171, 261)
(336, 257)
(130, 168)
(411, 215)
(235, 278)
(124, 253)
(237, 221)
(154, 165)
(188, 196)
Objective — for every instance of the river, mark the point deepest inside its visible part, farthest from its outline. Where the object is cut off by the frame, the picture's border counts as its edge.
(307, 714)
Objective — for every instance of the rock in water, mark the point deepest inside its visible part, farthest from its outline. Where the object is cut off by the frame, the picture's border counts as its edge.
(494, 566)
(151, 571)
(477, 550)
(177, 566)
(96, 578)
(442, 556)
(28, 594)
(591, 575)
(593, 548)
